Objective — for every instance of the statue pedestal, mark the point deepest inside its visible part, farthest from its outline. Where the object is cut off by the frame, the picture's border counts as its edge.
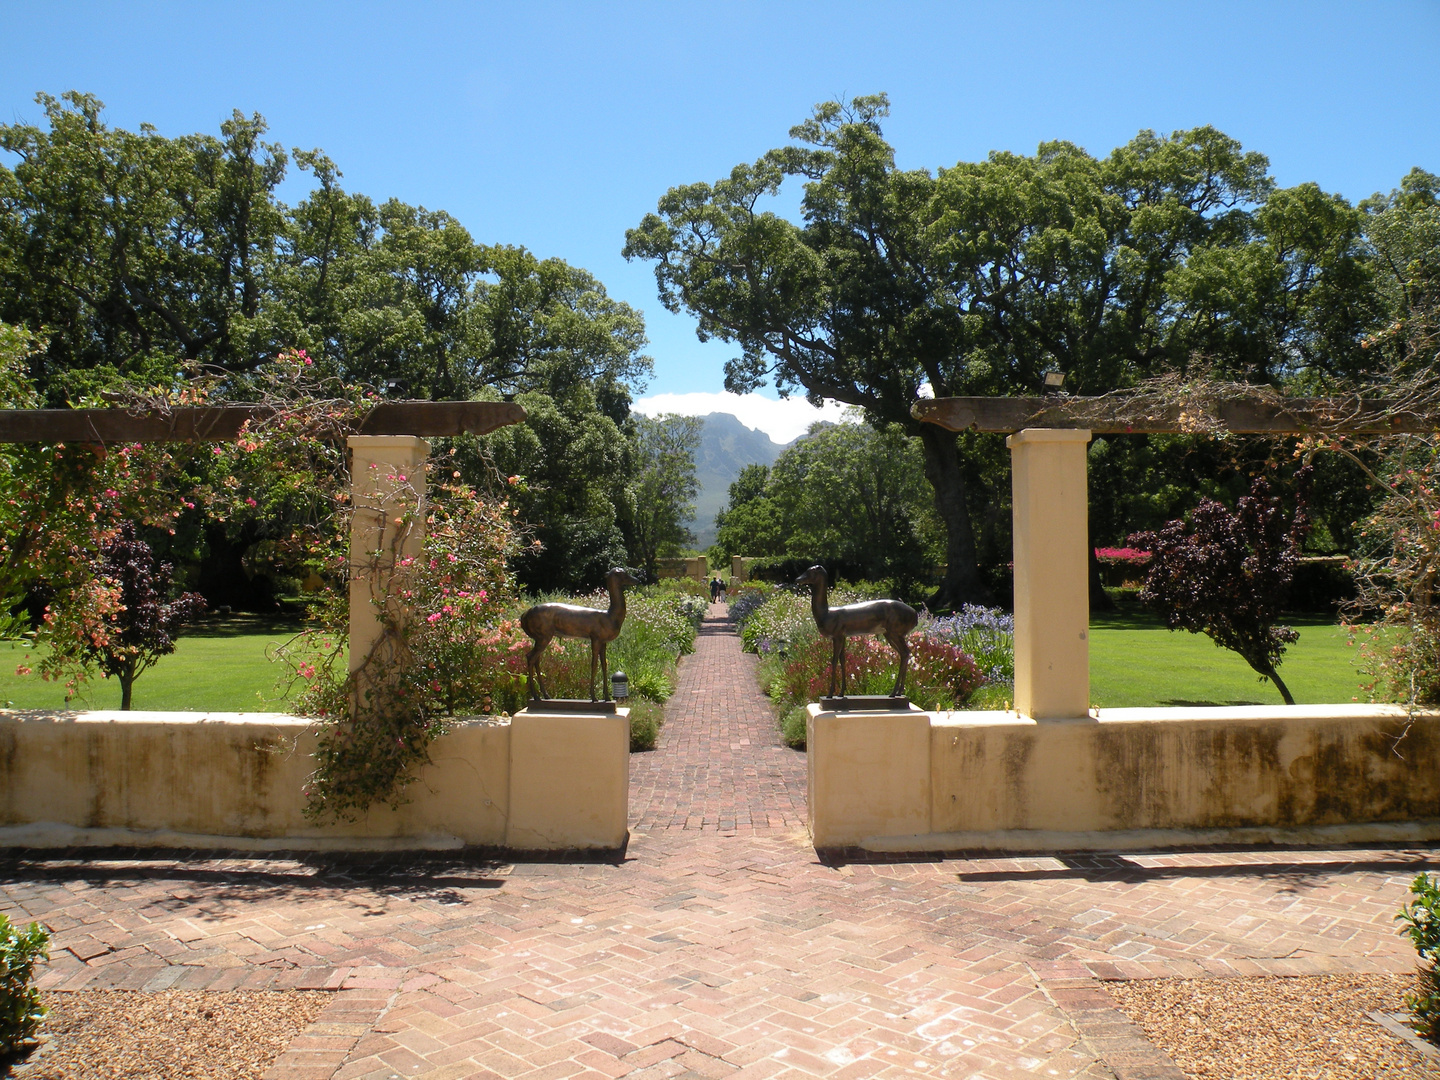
(868, 774)
(865, 703)
(569, 779)
(581, 706)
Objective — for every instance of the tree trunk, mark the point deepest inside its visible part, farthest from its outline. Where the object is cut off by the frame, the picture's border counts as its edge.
(126, 683)
(1269, 673)
(962, 584)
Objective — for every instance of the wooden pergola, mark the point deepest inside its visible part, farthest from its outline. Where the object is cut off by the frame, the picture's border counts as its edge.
(1113, 415)
(222, 423)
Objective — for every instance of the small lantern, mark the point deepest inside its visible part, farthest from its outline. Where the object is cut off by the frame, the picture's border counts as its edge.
(619, 686)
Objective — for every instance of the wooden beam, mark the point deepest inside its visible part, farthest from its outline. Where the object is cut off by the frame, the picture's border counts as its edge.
(1114, 416)
(223, 423)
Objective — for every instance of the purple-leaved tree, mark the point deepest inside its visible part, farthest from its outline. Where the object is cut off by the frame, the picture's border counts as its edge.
(143, 625)
(1226, 573)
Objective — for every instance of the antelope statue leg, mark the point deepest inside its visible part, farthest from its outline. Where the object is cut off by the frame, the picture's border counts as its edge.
(844, 681)
(902, 647)
(604, 673)
(533, 684)
(593, 659)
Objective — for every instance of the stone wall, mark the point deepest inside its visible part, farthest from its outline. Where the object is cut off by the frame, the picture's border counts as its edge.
(1123, 777)
(237, 780)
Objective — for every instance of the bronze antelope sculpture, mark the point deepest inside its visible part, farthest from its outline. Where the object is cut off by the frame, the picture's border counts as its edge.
(890, 618)
(546, 621)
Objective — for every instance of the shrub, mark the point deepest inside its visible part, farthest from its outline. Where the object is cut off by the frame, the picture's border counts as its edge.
(1227, 574)
(682, 586)
(1422, 927)
(792, 728)
(646, 718)
(20, 1007)
(1397, 607)
(455, 648)
(124, 622)
(745, 600)
(1121, 566)
(781, 623)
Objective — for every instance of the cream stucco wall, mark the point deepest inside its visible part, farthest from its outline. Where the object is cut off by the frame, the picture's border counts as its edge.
(1128, 777)
(870, 775)
(1052, 600)
(570, 780)
(237, 779)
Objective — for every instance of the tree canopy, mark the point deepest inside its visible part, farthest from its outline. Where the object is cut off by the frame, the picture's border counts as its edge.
(845, 495)
(138, 255)
(662, 494)
(1169, 253)
(157, 263)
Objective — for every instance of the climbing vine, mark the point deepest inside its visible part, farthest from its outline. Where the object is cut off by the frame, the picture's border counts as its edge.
(449, 645)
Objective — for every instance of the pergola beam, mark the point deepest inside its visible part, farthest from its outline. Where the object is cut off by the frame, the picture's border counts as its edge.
(1115, 416)
(426, 419)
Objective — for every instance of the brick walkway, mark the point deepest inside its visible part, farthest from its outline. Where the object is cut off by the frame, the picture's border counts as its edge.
(720, 766)
(719, 945)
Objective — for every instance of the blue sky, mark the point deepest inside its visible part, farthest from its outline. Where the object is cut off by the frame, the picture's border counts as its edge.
(558, 125)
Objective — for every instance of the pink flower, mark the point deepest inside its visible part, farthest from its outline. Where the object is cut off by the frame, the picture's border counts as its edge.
(436, 617)
(250, 502)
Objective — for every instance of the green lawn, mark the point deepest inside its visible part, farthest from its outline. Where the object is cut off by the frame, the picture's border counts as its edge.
(1134, 660)
(220, 666)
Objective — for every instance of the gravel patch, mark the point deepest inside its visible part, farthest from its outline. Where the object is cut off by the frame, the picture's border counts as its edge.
(1275, 1028)
(185, 1034)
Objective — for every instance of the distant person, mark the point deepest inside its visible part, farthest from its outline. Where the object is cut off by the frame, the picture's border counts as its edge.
(717, 589)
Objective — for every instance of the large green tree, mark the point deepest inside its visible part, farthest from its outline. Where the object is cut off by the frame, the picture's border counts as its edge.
(134, 253)
(979, 279)
(564, 470)
(661, 496)
(399, 296)
(145, 261)
(845, 495)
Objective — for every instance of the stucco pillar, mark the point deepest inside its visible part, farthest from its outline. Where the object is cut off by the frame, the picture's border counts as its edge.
(1052, 593)
(387, 489)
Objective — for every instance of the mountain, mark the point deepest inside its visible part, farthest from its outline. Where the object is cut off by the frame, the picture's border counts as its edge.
(726, 447)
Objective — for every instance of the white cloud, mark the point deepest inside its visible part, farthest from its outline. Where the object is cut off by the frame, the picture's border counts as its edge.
(782, 420)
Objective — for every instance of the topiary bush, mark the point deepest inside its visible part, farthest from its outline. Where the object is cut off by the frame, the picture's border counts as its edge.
(1422, 926)
(20, 1007)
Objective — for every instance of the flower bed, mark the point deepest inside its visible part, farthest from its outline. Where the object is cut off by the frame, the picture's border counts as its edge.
(951, 658)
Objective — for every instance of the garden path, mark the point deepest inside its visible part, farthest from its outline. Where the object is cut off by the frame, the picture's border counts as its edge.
(718, 945)
(719, 765)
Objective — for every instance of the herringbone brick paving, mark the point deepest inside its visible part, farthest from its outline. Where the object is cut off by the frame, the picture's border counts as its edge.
(721, 766)
(718, 945)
